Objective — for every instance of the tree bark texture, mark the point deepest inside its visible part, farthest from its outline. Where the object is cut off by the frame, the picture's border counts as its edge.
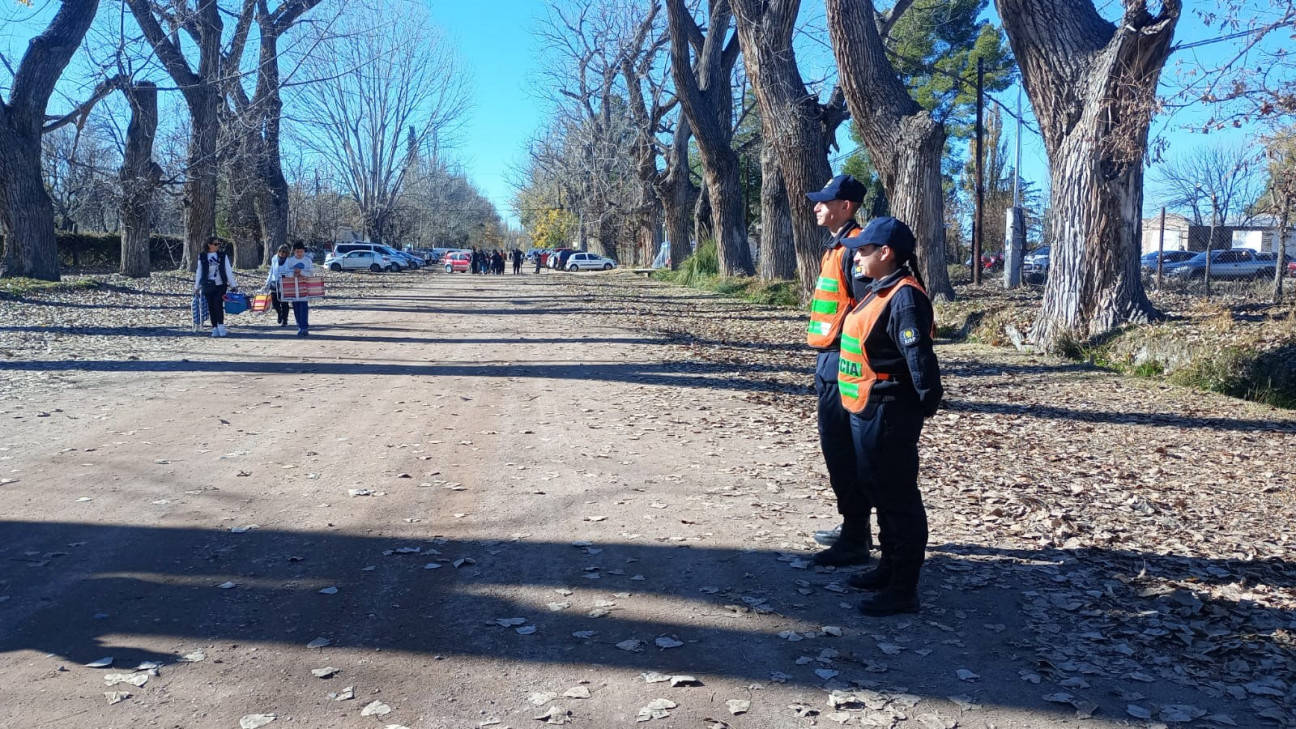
(1093, 87)
(139, 177)
(272, 193)
(703, 220)
(778, 257)
(904, 142)
(202, 94)
(26, 213)
(705, 95)
(794, 124)
(678, 194)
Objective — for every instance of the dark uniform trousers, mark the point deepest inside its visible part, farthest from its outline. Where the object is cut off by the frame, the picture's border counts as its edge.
(838, 447)
(886, 446)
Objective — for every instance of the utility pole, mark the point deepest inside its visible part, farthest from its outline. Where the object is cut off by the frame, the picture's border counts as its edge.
(1015, 228)
(977, 227)
(1210, 241)
(1160, 250)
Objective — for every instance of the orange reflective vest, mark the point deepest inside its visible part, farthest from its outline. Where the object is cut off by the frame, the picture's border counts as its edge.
(832, 300)
(854, 376)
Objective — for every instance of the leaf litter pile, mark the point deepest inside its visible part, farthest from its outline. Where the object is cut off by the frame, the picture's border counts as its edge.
(1142, 530)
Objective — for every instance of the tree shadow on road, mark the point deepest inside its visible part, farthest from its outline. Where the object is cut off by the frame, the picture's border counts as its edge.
(667, 374)
(82, 591)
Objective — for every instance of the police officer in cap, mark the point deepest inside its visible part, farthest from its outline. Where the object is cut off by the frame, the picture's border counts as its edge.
(889, 381)
(835, 294)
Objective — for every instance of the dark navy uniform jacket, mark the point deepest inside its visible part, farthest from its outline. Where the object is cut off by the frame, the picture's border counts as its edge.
(903, 348)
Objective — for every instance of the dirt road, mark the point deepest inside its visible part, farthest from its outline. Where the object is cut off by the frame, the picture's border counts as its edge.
(490, 501)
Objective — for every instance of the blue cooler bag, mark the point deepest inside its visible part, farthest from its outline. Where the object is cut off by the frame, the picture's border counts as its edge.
(236, 303)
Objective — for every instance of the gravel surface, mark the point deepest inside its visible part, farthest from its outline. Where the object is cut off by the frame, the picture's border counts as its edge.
(489, 502)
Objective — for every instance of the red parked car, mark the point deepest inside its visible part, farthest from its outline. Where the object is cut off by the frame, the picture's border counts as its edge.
(457, 262)
(1291, 268)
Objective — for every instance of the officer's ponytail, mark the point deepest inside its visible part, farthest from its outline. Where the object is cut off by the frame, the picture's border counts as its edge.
(912, 263)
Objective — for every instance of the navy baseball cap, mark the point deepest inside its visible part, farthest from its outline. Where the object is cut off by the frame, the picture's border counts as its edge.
(886, 231)
(841, 187)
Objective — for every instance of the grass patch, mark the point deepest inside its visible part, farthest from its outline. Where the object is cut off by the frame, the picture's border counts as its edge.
(19, 286)
(702, 271)
(1267, 377)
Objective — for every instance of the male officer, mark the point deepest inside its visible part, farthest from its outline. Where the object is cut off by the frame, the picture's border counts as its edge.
(836, 293)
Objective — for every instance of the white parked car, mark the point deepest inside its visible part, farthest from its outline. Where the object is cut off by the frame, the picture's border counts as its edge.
(589, 261)
(358, 260)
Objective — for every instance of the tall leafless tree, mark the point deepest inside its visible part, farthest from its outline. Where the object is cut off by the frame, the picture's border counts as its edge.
(140, 177)
(25, 210)
(904, 141)
(203, 87)
(650, 104)
(1231, 176)
(258, 121)
(1092, 84)
(387, 95)
(700, 65)
(795, 125)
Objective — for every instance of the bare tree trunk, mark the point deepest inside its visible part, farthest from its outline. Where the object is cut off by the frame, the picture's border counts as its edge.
(904, 142)
(202, 94)
(778, 257)
(702, 218)
(26, 213)
(679, 195)
(705, 96)
(139, 176)
(796, 126)
(1093, 87)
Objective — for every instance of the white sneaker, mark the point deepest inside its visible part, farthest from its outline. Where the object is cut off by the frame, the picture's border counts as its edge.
(221, 330)
(215, 332)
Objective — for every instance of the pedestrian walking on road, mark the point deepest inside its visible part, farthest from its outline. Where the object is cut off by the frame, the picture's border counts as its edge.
(890, 381)
(213, 277)
(272, 282)
(299, 265)
(836, 293)
(539, 261)
(517, 261)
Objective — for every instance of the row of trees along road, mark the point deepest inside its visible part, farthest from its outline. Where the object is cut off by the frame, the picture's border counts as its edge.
(288, 129)
(903, 76)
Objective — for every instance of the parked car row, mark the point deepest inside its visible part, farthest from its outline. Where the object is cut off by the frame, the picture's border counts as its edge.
(1233, 263)
(372, 257)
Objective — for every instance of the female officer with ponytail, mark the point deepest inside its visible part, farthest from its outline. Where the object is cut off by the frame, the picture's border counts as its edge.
(889, 381)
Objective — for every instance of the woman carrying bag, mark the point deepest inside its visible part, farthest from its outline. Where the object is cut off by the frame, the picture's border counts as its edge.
(890, 381)
(213, 277)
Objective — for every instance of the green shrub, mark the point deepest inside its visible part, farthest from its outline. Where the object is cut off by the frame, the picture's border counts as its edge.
(1268, 377)
(703, 264)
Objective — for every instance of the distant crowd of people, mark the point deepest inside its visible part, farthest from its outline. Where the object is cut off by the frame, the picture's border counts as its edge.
(493, 261)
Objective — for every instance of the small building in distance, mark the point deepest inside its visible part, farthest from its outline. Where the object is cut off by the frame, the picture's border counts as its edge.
(1260, 235)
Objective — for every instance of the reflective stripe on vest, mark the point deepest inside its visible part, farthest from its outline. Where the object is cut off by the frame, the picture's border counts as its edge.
(832, 300)
(855, 377)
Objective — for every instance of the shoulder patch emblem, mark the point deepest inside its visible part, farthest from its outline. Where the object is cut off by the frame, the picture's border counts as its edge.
(909, 337)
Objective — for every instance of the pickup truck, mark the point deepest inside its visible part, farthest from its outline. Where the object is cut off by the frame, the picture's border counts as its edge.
(1236, 263)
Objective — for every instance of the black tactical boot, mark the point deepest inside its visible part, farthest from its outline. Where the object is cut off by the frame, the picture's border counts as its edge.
(843, 553)
(889, 601)
(828, 537)
(851, 547)
(874, 579)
